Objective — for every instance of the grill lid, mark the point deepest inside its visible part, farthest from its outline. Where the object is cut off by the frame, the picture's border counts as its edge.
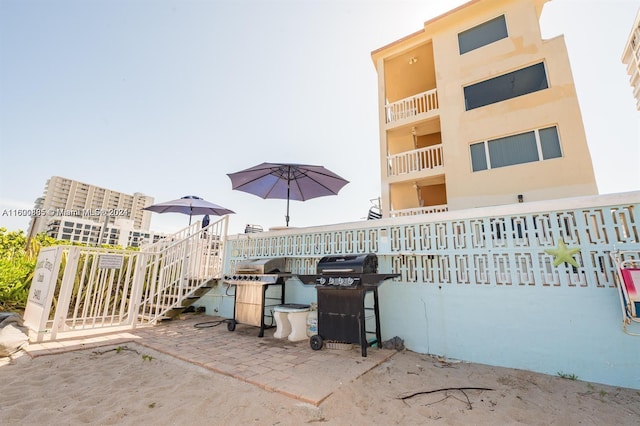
(260, 266)
(356, 264)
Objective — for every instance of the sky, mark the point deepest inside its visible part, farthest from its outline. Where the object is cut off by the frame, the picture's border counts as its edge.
(165, 97)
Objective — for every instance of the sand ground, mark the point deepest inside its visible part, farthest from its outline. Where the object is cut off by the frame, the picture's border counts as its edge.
(134, 384)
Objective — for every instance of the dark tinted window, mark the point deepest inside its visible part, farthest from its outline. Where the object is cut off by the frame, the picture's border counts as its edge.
(506, 86)
(516, 149)
(483, 34)
(550, 143)
(478, 157)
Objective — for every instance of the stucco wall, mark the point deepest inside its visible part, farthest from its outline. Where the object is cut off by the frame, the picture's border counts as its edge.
(466, 294)
(568, 176)
(548, 330)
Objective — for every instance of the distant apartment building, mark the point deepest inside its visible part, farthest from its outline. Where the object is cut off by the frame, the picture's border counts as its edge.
(84, 231)
(72, 201)
(476, 109)
(631, 58)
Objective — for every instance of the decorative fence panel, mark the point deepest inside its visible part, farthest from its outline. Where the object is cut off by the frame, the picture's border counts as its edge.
(506, 246)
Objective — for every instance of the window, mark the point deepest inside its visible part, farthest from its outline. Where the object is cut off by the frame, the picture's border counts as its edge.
(511, 150)
(478, 157)
(522, 148)
(506, 86)
(483, 34)
(550, 143)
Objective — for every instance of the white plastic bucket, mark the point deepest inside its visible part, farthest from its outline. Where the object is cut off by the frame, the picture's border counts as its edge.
(312, 323)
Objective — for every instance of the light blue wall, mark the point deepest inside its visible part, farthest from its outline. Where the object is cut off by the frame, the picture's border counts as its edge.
(217, 302)
(548, 330)
(480, 286)
(544, 329)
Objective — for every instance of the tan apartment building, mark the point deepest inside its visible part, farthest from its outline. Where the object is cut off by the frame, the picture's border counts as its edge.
(476, 109)
(631, 58)
(71, 199)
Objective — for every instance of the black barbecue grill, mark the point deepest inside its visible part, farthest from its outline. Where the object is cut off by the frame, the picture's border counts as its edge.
(342, 283)
(257, 282)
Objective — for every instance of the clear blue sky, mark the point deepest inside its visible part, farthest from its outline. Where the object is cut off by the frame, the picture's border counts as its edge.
(166, 97)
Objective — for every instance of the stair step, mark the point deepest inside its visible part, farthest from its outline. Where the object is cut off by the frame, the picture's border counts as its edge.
(148, 317)
(170, 310)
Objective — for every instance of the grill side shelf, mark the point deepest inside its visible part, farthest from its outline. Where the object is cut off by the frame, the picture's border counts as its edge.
(363, 279)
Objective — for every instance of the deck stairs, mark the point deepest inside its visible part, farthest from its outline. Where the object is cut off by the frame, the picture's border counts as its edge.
(182, 269)
(169, 311)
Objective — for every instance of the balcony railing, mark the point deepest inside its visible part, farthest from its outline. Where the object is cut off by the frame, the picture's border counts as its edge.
(412, 106)
(419, 210)
(428, 158)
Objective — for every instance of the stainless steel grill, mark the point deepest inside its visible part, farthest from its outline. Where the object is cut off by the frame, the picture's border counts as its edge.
(342, 283)
(259, 285)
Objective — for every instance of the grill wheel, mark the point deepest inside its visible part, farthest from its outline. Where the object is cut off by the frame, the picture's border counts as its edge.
(316, 342)
(231, 325)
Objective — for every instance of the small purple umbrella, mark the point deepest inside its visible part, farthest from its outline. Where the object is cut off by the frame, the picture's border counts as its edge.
(189, 204)
(287, 181)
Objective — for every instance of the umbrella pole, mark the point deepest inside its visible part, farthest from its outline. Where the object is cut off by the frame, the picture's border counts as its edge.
(288, 192)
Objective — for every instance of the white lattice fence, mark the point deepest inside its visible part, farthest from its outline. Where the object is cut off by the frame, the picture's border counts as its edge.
(500, 246)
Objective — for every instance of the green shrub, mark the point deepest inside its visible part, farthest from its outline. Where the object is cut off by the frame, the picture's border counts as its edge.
(17, 263)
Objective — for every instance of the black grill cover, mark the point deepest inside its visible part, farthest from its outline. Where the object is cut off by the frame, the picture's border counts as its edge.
(359, 264)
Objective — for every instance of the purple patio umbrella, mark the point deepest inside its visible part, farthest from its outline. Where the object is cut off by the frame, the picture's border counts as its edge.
(191, 205)
(287, 181)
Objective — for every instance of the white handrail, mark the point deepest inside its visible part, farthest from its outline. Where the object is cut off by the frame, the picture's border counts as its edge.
(413, 105)
(416, 160)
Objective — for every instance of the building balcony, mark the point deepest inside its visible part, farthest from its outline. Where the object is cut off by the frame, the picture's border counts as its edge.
(412, 108)
(418, 160)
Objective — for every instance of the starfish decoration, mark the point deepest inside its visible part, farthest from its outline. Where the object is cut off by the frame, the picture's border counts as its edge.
(563, 254)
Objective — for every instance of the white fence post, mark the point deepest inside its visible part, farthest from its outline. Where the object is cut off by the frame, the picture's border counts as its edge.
(188, 257)
(139, 274)
(66, 289)
(43, 286)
